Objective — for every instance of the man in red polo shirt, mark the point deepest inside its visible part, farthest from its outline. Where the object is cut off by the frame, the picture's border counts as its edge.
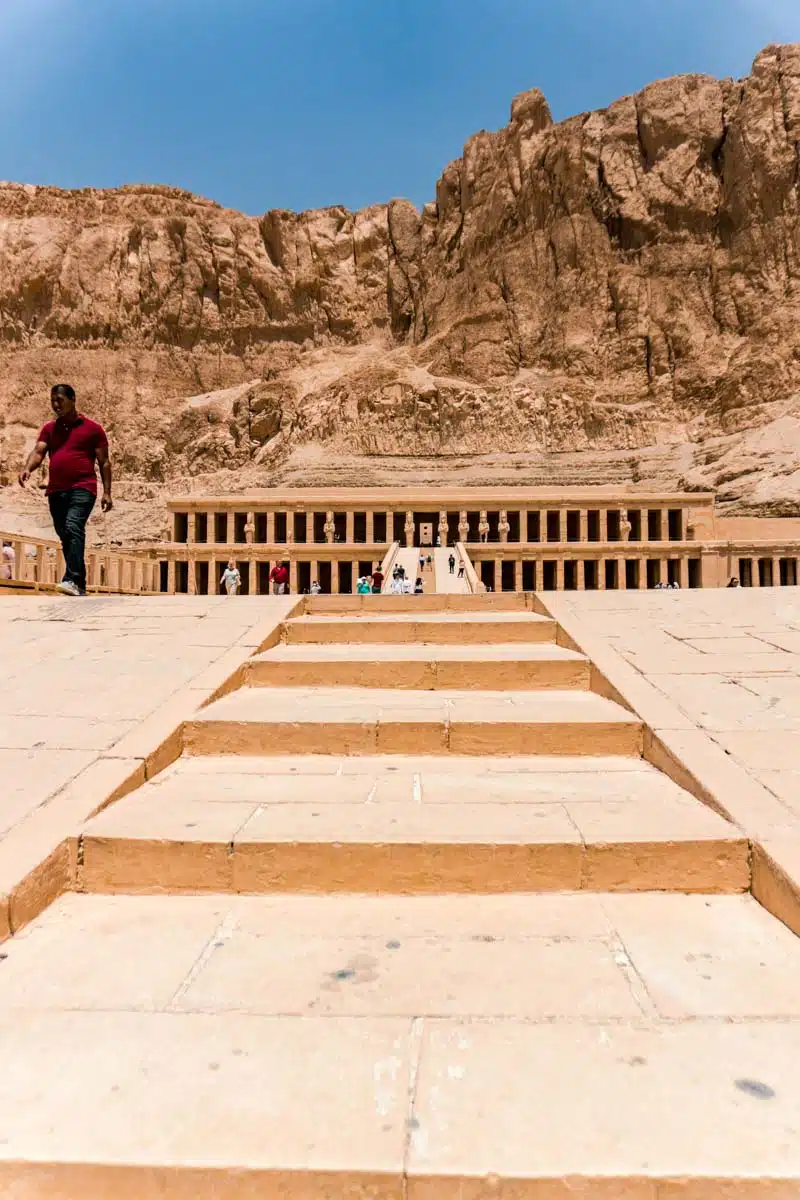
(75, 445)
(279, 576)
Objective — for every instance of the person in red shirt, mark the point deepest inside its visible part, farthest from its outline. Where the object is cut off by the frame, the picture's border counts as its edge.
(377, 581)
(279, 576)
(76, 446)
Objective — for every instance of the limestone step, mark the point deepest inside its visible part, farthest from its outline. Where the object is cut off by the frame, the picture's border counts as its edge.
(428, 602)
(410, 826)
(423, 628)
(422, 667)
(625, 1047)
(344, 720)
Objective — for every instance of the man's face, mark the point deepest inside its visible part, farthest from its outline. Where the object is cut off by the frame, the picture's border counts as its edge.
(61, 406)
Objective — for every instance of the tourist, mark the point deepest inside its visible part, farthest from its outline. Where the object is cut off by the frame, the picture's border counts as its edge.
(76, 445)
(8, 562)
(461, 570)
(419, 587)
(438, 539)
(451, 562)
(279, 578)
(734, 582)
(422, 562)
(316, 589)
(377, 581)
(408, 587)
(397, 585)
(231, 579)
(363, 587)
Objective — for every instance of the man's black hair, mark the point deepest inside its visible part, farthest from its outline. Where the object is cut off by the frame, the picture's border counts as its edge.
(63, 389)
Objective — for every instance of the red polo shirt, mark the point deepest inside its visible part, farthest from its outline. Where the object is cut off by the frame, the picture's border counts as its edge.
(73, 454)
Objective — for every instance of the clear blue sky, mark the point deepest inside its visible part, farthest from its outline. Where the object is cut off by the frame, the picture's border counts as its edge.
(303, 103)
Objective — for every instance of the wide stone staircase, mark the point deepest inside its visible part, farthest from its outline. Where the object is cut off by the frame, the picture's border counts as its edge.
(410, 917)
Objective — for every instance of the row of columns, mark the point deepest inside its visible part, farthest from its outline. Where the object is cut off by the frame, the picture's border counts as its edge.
(600, 578)
(622, 525)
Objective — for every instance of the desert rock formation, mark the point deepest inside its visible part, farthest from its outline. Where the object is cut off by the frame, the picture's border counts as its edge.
(612, 296)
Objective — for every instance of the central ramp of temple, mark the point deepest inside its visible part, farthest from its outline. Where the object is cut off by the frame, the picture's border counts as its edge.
(410, 918)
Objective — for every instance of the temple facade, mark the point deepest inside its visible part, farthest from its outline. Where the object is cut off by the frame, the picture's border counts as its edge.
(516, 539)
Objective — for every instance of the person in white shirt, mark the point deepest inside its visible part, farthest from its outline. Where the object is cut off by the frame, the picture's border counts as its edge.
(231, 579)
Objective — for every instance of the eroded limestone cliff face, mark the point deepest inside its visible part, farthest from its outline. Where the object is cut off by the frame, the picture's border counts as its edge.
(624, 283)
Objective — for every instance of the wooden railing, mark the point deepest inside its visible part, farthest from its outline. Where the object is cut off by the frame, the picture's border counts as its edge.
(37, 564)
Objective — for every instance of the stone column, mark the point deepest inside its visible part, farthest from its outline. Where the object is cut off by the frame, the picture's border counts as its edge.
(270, 527)
(250, 528)
(192, 578)
(329, 527)
(170, 577)
(518, 575)
(583, 526)
(293, 577)
(498, 575)
(191, 531)
(349, 535)
(642, 574)
(562, 534)
(389, 526)
(409, 529)
(683, 571)
(370, 527)
(776, 571)
(665, 570)
(601, 574)
(463, 527)
(559, 574)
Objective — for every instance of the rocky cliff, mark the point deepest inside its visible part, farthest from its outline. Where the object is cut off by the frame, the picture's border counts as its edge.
(622, 285)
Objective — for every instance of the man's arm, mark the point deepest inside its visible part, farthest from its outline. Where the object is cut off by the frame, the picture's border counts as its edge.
(34, 461)
(104, 463)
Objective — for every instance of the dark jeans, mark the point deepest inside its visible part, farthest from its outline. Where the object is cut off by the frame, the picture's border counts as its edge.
(70, 512)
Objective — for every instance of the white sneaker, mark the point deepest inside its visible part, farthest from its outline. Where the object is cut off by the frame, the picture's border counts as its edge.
(68, 588)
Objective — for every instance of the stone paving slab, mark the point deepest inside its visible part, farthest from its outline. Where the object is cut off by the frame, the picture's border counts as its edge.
(416, 1073)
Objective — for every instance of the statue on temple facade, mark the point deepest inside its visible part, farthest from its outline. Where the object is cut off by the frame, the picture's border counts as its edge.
(624, 525)
(503, 527)
(329, 528)
(408, 529)
(463, 527)
(483, 526)
(444, 529)
(250, 528)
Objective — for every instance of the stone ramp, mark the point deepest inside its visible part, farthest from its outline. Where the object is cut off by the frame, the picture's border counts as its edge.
(448, 583)
(394, 1048)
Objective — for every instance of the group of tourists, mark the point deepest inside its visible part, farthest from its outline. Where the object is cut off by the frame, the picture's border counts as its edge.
(370, 584)
(401, 586)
